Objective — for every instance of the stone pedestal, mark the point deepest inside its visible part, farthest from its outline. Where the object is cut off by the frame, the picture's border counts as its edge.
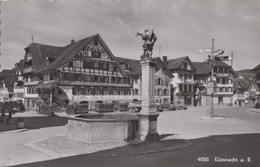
(147, 131)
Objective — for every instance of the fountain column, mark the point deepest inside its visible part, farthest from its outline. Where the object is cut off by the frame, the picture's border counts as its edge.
(147, 131)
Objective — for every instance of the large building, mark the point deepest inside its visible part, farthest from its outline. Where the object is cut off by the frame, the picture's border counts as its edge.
(162, 79)
(224, 74)
(182, 70)
(37, 56)
(256, 70)
(222, 87)
(201, 78)
(17, 81)
(86, 70)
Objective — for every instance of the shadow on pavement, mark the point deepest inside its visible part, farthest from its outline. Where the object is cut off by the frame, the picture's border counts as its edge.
(208, 151)
(43, 122)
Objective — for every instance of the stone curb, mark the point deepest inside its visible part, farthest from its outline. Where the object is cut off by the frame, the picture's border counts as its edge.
(187, 143)
(208, 118)
(14, 131)
(255, 110)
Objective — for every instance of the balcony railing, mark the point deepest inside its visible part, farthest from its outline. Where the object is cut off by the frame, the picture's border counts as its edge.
(28, 69)
(84, 83)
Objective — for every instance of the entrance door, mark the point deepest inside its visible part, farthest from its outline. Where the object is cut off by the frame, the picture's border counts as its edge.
(220, 100)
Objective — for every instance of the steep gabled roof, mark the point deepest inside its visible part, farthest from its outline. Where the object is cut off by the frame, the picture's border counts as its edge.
(242, 82)
(202, 68)
(220, 63)
(134, 65)
(176, 63)
(20, 66)
(253, 82)
(40, 52)
(69, 51)
(6, 77)
(162, 65)
(5, 71)
(256, 68)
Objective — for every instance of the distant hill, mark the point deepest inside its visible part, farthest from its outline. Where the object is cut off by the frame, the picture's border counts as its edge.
(245, 73)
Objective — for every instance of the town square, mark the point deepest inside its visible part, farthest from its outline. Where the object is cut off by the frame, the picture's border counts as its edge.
(129, 83)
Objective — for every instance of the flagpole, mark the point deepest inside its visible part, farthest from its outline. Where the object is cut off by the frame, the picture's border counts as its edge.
(232, 59)
(212, 76)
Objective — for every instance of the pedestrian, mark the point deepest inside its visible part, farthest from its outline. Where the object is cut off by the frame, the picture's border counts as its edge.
(160, 108)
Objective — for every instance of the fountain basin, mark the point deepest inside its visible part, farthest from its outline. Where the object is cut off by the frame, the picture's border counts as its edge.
(105, 127)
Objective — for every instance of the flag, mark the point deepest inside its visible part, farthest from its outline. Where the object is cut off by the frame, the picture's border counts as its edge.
(225, 58)
(205, 50)
(218, 52)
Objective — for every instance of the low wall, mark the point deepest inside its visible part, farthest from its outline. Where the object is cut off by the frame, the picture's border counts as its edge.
(102, 128)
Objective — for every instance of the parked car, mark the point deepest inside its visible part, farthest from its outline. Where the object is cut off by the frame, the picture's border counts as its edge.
(82, 107)
(163, 106)
(135, 106)
(179, 106)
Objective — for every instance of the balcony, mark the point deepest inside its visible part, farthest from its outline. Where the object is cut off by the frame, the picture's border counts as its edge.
(222, 74)
(28, 69)
(84, 83)
(31, 83)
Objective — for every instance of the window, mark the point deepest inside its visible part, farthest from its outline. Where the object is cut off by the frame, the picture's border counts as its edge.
(70, 64)
(158, 92)
(159, 81)
(185, 88)
(115, 68)
(180, 87)
(165, 92)
(96, 54)
(105, 66)
(105, 78)
(77, 63)
(190, 88)
(127, 80)
(96, 65)
(113, 79)
(110, 67)
(226, 89)
(120, 79)
(135, 91)
(220, 89)
(96, 78)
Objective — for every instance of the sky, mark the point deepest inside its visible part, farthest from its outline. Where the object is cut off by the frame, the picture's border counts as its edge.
(182, 27)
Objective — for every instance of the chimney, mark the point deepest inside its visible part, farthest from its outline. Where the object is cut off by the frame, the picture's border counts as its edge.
(165, 59)
(72, 41)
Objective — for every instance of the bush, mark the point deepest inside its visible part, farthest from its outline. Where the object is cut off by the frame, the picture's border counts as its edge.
(71, 109)
(49, 109)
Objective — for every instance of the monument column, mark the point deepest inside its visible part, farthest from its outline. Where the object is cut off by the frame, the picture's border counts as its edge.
(147, 131)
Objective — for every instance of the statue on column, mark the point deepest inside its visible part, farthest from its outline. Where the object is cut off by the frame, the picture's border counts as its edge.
(149, 38)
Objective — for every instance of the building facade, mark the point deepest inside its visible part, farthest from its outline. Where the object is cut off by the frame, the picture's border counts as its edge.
(201, 79)
(182, 82)
(223, 76)
(36, 57)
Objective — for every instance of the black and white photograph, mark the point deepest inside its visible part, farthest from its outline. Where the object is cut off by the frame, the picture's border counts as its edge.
(129, 83)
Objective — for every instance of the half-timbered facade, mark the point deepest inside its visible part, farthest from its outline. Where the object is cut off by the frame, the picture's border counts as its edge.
(86, 70)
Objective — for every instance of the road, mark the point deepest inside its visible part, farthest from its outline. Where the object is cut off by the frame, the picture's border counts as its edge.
(236, 138)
